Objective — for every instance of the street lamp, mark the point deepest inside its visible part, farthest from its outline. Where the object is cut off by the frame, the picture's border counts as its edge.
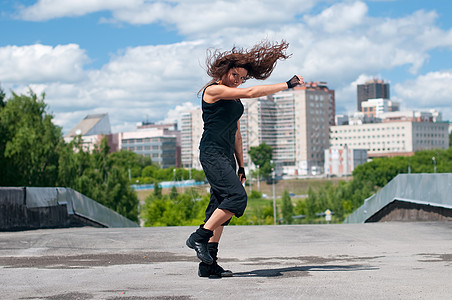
(274, 194)
(250, 180)
(258, 180)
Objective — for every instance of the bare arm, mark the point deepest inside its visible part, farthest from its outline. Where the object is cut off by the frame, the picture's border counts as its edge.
(216, 92)
(238, 149)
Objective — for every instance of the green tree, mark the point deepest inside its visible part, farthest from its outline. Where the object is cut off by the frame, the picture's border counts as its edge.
(287, 208)
(300, 210)
(261, 156)
(3, 138)
(30, 142)
(157, 190)
(173, 193)
(185, 209)
(450, 139)
(198, 175)
(154, 210)
(2, 97)
(311, 205)
(97, 176)
(128, 160)
(148, 171)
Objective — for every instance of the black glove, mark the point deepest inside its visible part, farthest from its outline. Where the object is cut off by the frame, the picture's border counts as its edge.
(241, 171)
(294, 81)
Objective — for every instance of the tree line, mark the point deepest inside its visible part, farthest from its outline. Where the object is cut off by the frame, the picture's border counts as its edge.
(341, 198)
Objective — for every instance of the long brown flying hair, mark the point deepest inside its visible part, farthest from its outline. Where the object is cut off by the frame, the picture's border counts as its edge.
(259, 61)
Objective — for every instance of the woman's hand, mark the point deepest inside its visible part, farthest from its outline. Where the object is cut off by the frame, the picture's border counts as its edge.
(294, 81)
(241, 174)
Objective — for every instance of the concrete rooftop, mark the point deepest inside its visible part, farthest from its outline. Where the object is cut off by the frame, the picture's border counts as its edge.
(346, 261)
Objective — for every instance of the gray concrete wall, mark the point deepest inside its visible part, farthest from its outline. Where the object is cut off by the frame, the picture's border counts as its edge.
(16, 215)
(24, 208)
(432, 192)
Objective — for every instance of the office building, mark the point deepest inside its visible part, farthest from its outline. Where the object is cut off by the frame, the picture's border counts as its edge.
(159, 144)
(391, 137)
(372, 89)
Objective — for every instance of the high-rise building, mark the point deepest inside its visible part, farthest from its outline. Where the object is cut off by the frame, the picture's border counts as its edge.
(258, 124)
(372, 89)
(303, 119)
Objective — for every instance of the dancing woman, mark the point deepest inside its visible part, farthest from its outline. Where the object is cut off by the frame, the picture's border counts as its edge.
(221, 142)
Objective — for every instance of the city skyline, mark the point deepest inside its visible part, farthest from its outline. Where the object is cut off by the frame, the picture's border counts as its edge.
(143, 60)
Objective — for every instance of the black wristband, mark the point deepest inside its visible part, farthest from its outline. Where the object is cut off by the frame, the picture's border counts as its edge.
(294, 81)
(241, 171)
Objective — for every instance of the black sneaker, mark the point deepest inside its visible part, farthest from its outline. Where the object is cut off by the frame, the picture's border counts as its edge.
(213, 271)
(201, 250)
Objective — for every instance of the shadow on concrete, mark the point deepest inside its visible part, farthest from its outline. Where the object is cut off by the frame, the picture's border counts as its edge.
(302, 271)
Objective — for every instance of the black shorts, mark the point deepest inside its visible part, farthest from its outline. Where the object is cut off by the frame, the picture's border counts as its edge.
(226, 190)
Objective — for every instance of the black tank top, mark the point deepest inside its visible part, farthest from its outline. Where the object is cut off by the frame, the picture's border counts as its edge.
(220, 124)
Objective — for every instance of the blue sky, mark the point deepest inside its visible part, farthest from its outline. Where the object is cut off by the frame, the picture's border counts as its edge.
(142, 60)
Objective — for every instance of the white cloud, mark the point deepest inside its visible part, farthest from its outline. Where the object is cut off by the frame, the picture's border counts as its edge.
(431, 90)
(339, 17)
(222, 16)
(141, 83)
(51, 9)
(367, 45)
(174, 115)
(41, 63)
(189, 17)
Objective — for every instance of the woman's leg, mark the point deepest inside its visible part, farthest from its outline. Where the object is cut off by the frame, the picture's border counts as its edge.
(219, 217)
(216, 235)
